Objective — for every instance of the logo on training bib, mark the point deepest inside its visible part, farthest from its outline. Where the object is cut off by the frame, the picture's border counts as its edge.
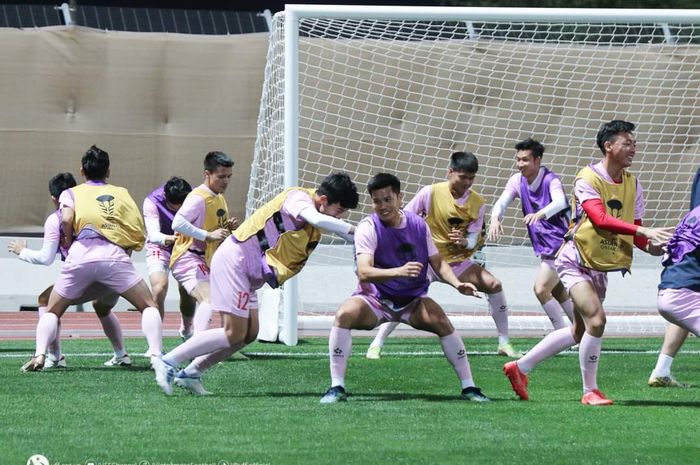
(615, 207)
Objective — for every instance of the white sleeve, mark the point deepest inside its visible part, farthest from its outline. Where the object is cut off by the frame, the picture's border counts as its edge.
(45, 256)
(325, 222)
(501, 205)
(184, 227)
(557, 204)
(472, 239)
(153, 231)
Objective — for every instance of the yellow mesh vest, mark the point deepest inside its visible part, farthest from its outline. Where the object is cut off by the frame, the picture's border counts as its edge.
(215, 217)
(112, 212)
(288, 256)
(445, 214)
(602, 250)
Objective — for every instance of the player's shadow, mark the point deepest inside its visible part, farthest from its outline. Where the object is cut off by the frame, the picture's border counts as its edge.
(658, 403)
(360, 396)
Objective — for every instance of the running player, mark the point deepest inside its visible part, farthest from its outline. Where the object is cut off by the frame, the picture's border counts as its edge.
(609, 206)
(159, 209)
(455, 214)
(546, 216)
(271, 246)
(107, 226)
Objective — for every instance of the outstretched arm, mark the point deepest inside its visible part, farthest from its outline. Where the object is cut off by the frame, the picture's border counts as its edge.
(445, 273)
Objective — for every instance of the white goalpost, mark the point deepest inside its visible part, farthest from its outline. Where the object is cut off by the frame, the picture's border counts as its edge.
(367, 89)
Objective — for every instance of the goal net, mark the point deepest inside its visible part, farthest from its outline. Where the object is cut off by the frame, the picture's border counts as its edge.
(399, 89)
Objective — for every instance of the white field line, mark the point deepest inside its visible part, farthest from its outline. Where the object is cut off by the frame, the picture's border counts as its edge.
(361, 354)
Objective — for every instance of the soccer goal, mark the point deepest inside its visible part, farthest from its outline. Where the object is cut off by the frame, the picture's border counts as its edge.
(398, 89)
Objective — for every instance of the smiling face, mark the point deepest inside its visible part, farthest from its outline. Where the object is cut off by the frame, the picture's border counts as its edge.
(621, 149)
(459, 181)
(218, 179)
(527, 164)
(387, 204)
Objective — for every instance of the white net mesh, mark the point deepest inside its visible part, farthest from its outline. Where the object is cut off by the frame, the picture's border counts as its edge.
(401, 96)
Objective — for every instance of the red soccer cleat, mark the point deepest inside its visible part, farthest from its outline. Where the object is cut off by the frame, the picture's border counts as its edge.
(595, 397)
(518, 379)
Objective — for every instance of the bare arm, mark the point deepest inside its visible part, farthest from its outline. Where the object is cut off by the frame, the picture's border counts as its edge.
(445, 273)
(67, 218)
(368, 273)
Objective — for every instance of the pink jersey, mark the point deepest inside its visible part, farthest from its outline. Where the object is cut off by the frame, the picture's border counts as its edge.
(583, 191)
(95, 248)
(366, 237)
(420, 205)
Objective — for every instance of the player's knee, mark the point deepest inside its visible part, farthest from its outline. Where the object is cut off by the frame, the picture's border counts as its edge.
(494, 286)
(540, 291)
(159, 289)
(344, 318)
(596, 325)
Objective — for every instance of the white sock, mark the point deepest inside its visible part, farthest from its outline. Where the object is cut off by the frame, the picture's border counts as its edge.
(663, 366)
(385, 330)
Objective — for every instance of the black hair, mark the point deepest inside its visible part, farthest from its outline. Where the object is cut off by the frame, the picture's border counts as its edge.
(215, 159)
(339, 188)
(95, 164)
(382, 180)
(532, 145)
(176, 189)
(464, 161)
(61, 182)
(609, 131)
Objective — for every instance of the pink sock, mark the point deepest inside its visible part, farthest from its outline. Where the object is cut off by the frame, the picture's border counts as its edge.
(453, 347)
(499, 313)
(202, 363)
(152, 327)
(384, 330)
(552, 344)
(339, 350)
(113, 331)
(206, 342)
(55, 345)
(45, 332)
(555, 313)
(568, 307)
(588, 358)
(202, 316)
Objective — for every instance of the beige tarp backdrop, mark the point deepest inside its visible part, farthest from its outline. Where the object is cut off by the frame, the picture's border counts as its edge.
(156, 102)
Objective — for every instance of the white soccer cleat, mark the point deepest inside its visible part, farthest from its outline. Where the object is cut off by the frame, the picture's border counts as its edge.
(192, 384)
(164, 374)
(53, 362)
(666, 381)
(123, 361)
(374, 353)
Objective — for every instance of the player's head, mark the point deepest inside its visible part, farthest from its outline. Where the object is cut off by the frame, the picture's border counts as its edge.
(176, 189)
(528, 157)
(462, 172)
(218, 169)
(385, 191)
(95, 164)
(337, 194)
(59, 183)
(609, 133)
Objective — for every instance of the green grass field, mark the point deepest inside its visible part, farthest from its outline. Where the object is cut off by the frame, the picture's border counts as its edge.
(402, 409)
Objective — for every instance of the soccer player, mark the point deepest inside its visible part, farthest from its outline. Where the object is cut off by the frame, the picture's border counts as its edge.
(609, 206)
(674, 336)
(455, 214)
(159, 209)
(271, 246)
(107, 226)
(546, 216)
(393, 251)
(679, 290)
(103, 299)
(202, 223)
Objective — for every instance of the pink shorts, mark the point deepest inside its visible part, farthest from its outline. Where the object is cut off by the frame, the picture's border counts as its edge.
(157, 259)
(236, 274)
(386, 311)
(571, 273)
(457, 267)
(75, 280)
(681, 307)
(189, 270)
(100, 292)
(549, 263)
